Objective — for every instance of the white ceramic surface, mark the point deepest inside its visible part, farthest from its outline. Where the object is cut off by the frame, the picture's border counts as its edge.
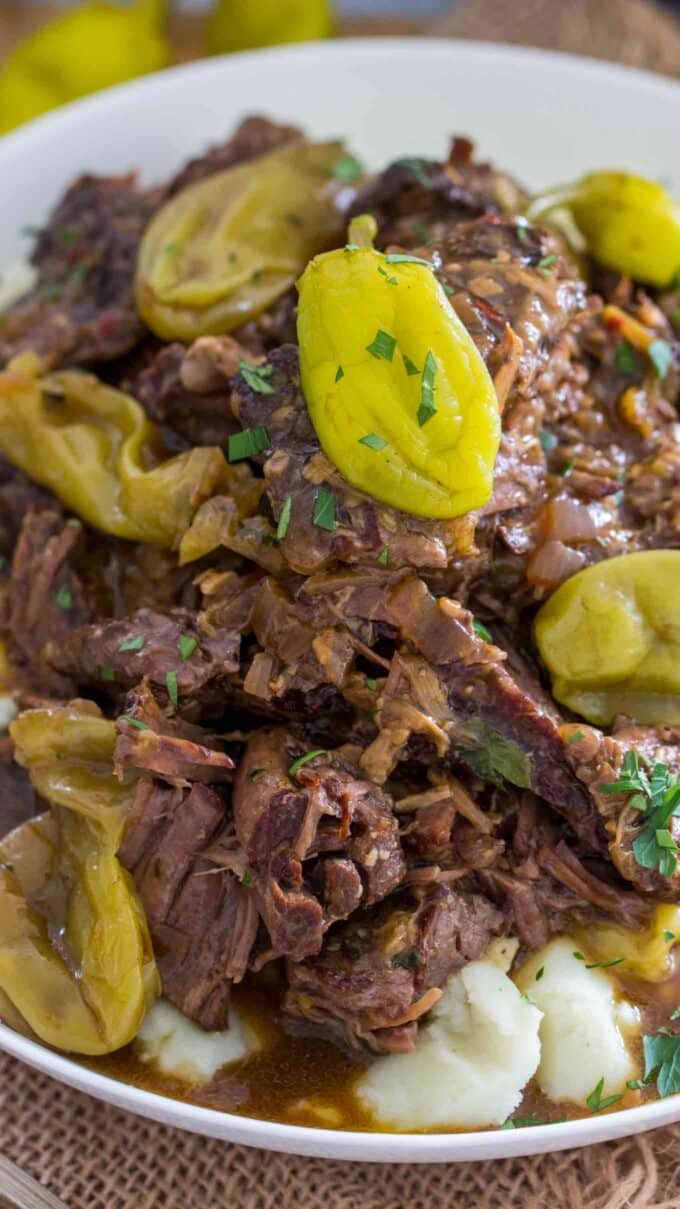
(546, 117)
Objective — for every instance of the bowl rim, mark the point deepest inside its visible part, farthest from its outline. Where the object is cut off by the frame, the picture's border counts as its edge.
(258, 1132)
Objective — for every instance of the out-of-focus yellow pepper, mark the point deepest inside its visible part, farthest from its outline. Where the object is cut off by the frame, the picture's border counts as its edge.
(80, 970)
(645, 955)
(226, 247)
(628, 223)
(242, 24)
(95, 449)
(400, 398)
(87, 49)
(610, 638)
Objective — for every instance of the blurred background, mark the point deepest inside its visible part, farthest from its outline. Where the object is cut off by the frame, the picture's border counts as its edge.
(53, 52)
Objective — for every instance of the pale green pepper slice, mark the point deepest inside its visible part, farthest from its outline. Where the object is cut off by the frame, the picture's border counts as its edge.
(628, 223)
(398, 393)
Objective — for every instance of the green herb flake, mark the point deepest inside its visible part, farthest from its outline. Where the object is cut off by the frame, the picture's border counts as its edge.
(496, 758)
(302, 760)
(578, 956)
(411, 369)
(106, 672)
(548, 440)
(248, 443)
(626, 361)
(635, 1084)
(339, 374)
(347, 169)
(407, 960)
(522, 230)
(546, 262)
(67, 237)
(371, 684)
(576, 737)
(407, 258)
(136, 722)
(382, 346)
(662, 1058)
(324, 510)
(597, 1101)
(448, 290)
(171, 686)
(384, 556)
(566, 469)
(254, 773)
(255, 376)
(668, 935)
(390, 280)
(374, 441)
(539, 974)
(481, 630)
(427, 407)
(186, 645)
(248, 878)
(169, 249)
(660, 354)
(64, 598)
(604, 965)
(656, 795)
(133, 644)
(284, 518)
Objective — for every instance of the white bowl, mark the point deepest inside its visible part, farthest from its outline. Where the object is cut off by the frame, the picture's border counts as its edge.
(545, 117)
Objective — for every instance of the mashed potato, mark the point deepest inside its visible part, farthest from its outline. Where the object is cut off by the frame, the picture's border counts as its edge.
(472, 1059)
(585, 1025)
(177, 1046)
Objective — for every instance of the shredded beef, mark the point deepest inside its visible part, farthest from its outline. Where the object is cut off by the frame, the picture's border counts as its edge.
(255, 136)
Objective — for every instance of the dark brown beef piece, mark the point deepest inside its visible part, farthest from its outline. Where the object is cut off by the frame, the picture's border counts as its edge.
(252, 138)
(379, 973)
(82, 309)
(196, 407)
(18, 800)
(320, 843)
(19, 495)
(415, 199)
(202, 919)
(168, 747)
(44, 601)
(101, 655)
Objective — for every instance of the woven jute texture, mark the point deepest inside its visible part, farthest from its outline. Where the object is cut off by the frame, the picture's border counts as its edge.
(96, 1157)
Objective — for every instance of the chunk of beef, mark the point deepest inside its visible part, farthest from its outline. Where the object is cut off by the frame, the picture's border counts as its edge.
(44, 602)
(169, 748)
(380, 973)
(252, 138)
(188, 391)
(202, 918)
(82, 309)
(320, 841)
(18, 799)
(116, 655)
(19, 495)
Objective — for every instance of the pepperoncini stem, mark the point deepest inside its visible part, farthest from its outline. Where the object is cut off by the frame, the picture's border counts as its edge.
(398, 393)
(362, 231)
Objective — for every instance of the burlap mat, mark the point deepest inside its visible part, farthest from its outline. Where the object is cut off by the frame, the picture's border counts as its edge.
(96, 1157)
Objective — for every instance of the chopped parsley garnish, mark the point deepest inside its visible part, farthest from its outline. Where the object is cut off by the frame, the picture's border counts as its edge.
(416, 167)
(254, 773)
(67, 237)
(522, 230)
(604, 965)
(576, 737)
(625, 358)
(662, 1058)
(548, 440)
(407, 960)
(427, 407)
(255, 376)
(106, 672)
(64, 598)
(136, 722)
(390, 280)
(410, 368)
(371, 684)
(248, 443)
(302, 760)
(546, 262)
(374, 441)
(170, 249)
(448, 289)
(578, 956)
(481, 630)
(248, 878)
(186, 645)
(7, 866)
(660, 354)
(324, 510)
(540, 973)
(636, 1084)
(383, 345)
(284, 518)
(496, 758)
(171, 686)
(339, 374)
(597, 1101)
(347, 169)
(133, 644)
(656, 795)
(407, 258)
(384, 556)
(566, 469)
(668, 935)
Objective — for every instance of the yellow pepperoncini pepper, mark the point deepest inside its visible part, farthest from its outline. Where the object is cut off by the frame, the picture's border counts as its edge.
(91, 47)
(610, 638)
(398, 393)
(95, 449)
(241, 24)
(645, 954)
(628, 223)
(224, 248)
(79, 970)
